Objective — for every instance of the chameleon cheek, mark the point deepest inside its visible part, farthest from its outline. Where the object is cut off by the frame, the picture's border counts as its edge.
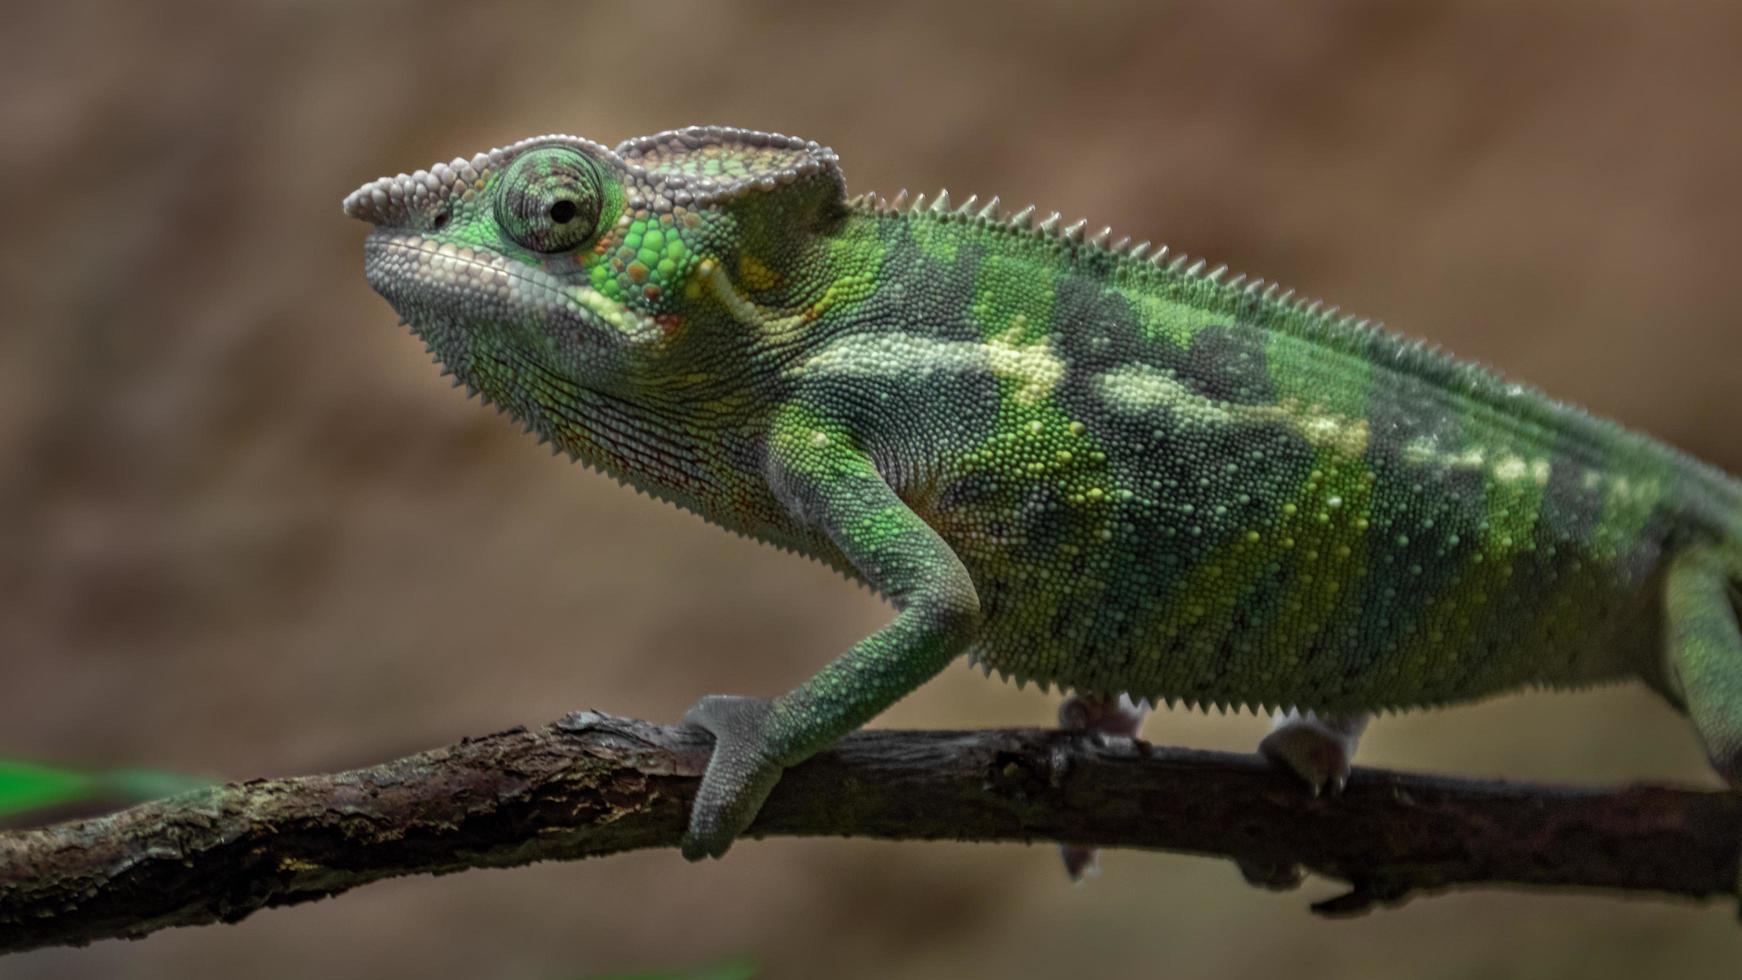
(460, 299)
(647, 260)
(420, 275)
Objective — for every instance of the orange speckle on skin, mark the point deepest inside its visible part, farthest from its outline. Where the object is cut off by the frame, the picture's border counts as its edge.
(651, 292)
(637, 272)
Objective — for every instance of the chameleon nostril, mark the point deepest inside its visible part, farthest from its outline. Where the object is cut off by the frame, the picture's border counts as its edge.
(440, 222)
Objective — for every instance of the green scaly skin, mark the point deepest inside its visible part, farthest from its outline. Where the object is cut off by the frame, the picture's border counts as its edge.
(1081, 463)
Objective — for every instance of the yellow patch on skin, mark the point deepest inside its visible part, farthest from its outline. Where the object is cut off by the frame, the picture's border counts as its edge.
(743, 310)
(718, 283)
(1469, 459)
(844, 289)
(1142, 387)
(618, 316)
(1034, 367)
(756, 274)
(1324, 430)
(1507, 469)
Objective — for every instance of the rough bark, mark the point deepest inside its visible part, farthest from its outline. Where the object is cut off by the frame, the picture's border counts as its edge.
(591, 785)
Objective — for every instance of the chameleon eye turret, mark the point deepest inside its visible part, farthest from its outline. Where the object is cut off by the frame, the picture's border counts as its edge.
(550, 199)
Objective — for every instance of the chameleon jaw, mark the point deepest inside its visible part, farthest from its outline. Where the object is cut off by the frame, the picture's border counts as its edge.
(432, 283)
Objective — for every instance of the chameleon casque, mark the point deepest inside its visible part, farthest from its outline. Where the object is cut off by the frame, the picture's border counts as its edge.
(1078, 461)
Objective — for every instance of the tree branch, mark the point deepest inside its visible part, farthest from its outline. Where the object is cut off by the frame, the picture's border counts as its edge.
(592, 785)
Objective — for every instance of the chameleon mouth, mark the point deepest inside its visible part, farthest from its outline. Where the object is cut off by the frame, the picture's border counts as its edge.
(431, 283)
(409, 270)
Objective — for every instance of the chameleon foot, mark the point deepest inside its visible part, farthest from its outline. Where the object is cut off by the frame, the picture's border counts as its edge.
(739, 777)
(1315, 747)
(1120, 717)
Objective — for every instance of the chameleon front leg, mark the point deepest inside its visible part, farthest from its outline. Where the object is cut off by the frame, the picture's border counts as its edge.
(826, 482)
(1703, 655)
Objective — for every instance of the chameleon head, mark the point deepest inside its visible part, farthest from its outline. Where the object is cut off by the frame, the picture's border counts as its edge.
(557, 261)
(491, 261)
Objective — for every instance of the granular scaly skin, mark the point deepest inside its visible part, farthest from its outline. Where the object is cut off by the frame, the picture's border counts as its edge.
(1081, 463)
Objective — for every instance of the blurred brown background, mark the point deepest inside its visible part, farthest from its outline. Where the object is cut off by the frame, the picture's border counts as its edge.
(247, 530)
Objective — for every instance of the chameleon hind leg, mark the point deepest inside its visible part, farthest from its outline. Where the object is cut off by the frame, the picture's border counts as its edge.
(1318, 748)
(1119, 717)
(1703, 655)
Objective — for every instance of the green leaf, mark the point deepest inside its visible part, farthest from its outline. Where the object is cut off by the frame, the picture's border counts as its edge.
(25, 787)
(139, 785)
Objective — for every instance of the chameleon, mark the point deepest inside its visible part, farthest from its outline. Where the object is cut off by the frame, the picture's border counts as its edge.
(1088, 463)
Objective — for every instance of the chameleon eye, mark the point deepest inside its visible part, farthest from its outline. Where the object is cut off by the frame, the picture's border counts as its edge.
(549, 199)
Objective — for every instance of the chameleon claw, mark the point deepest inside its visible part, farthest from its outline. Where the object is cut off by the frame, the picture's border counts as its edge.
(1081, 861)
(739, 777)
(1317, 748)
